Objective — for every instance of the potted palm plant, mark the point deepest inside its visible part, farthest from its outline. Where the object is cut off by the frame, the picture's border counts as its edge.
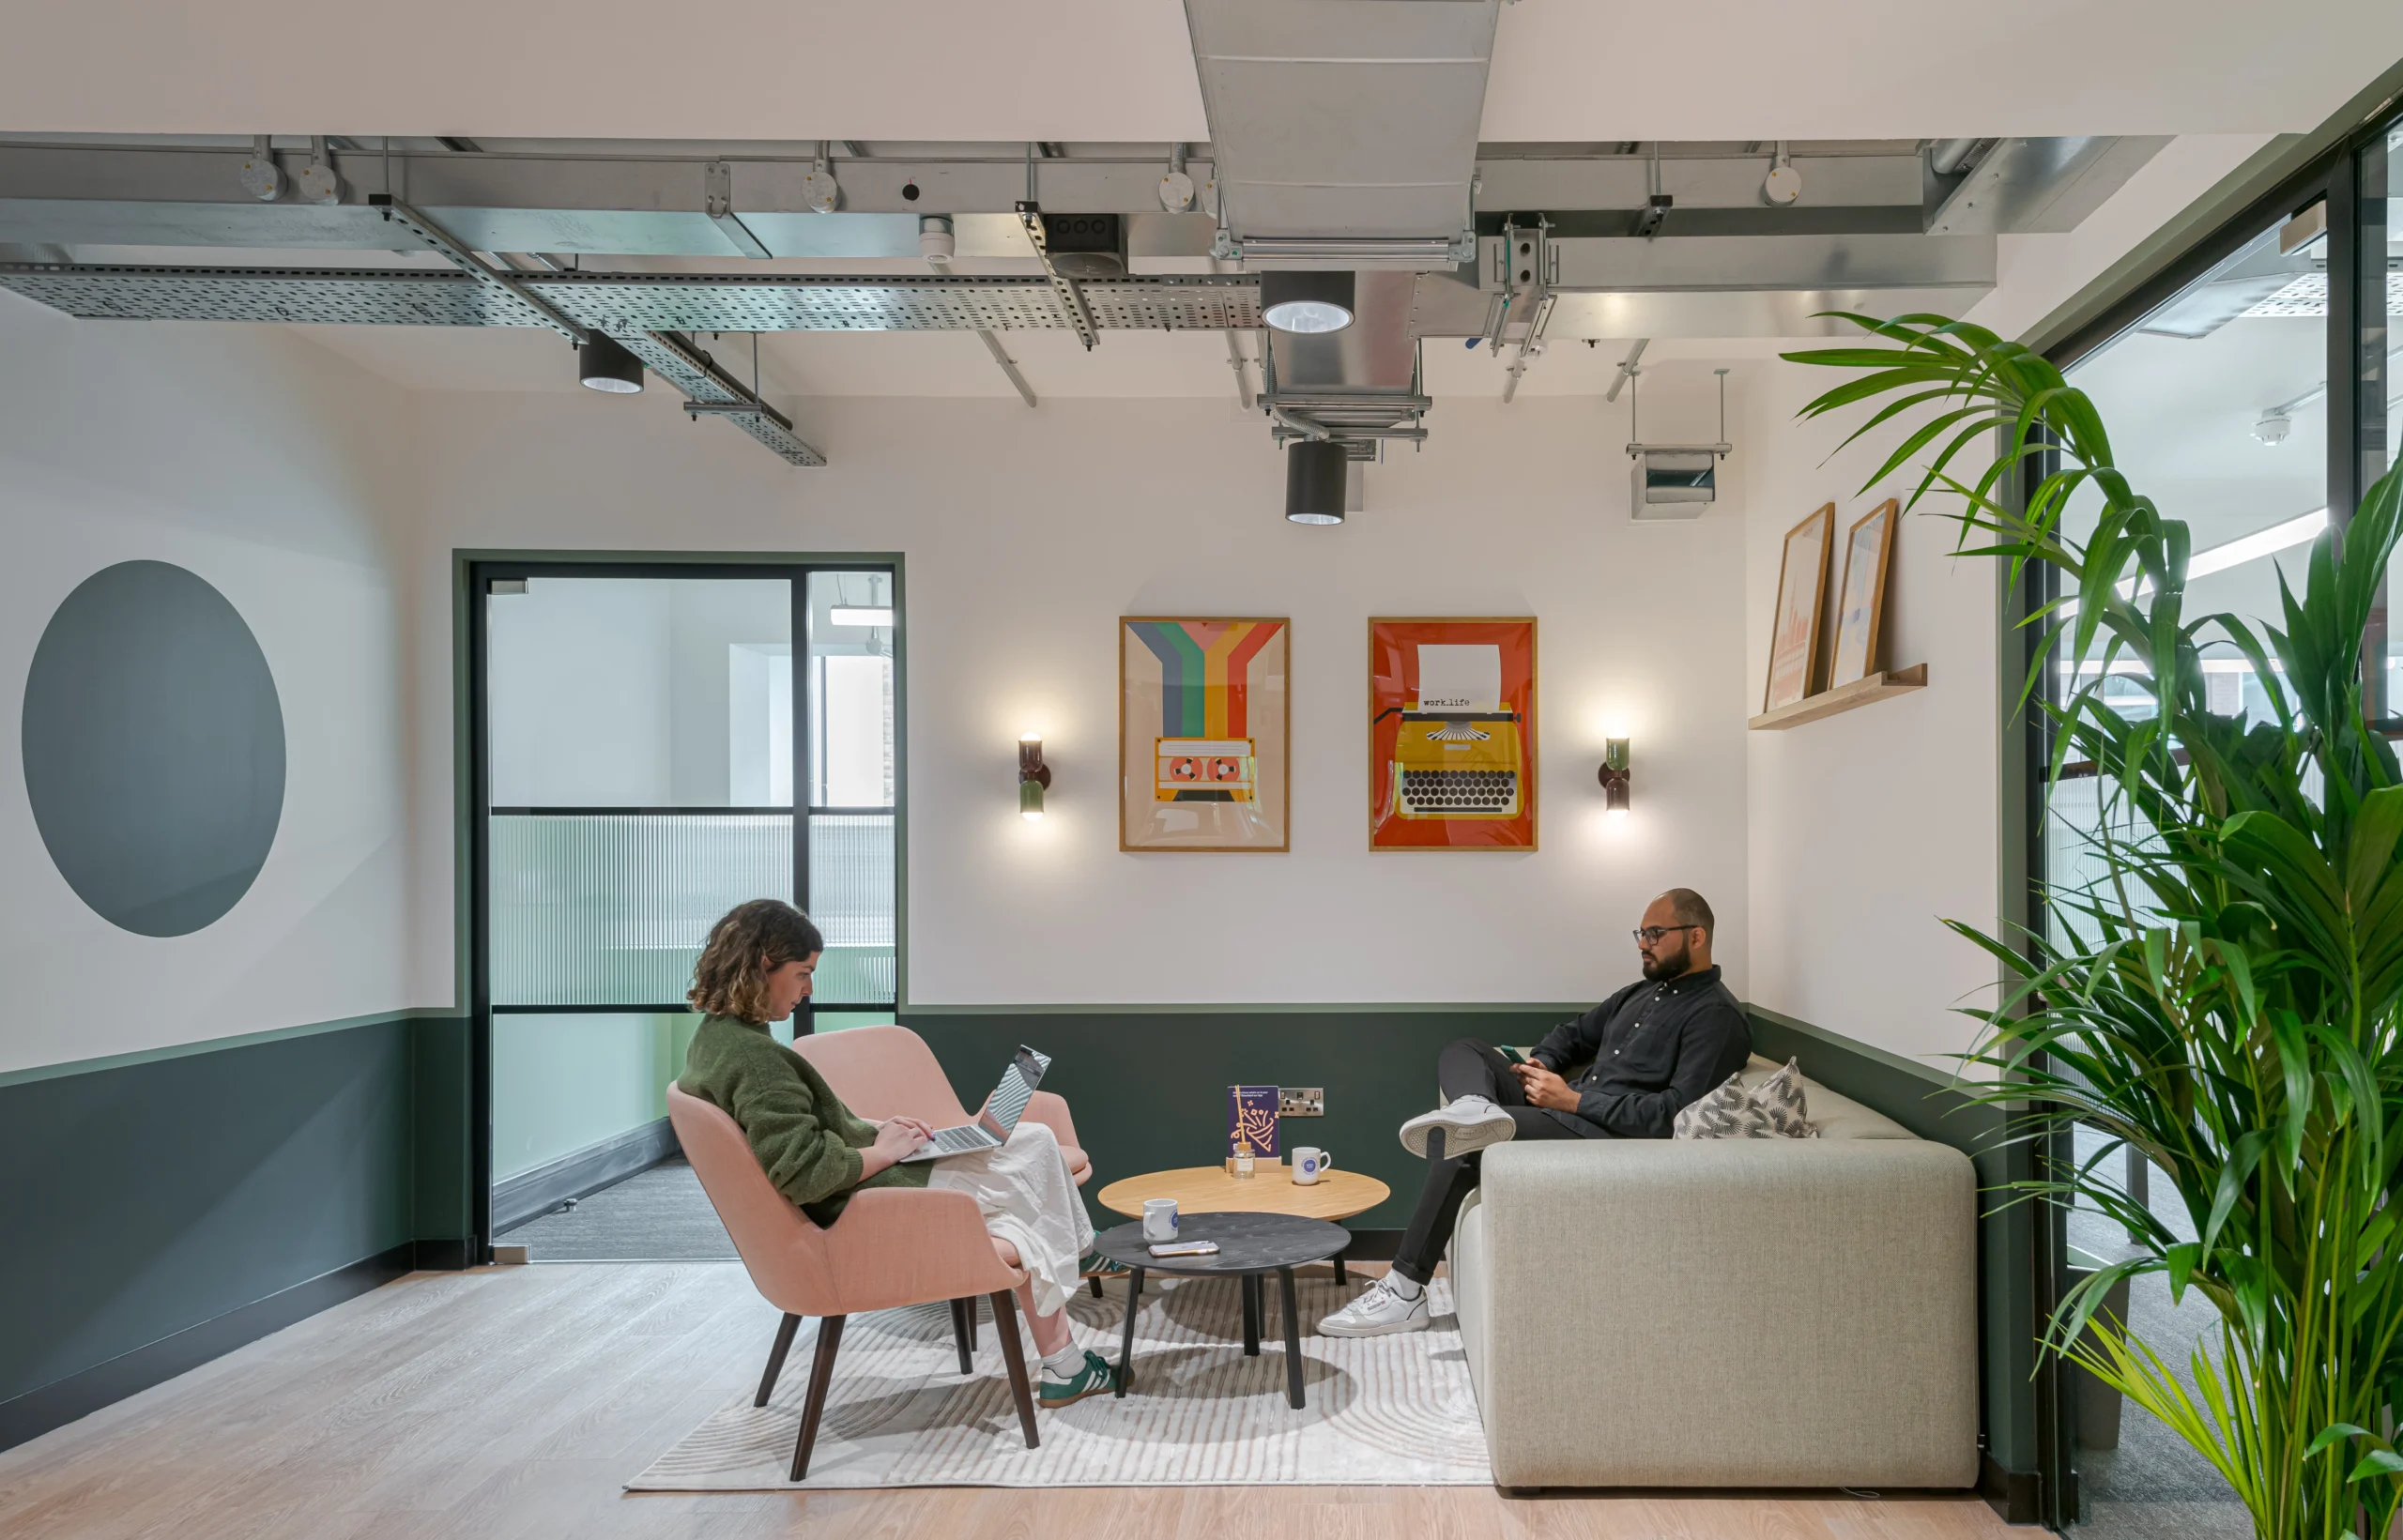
(2226, 996)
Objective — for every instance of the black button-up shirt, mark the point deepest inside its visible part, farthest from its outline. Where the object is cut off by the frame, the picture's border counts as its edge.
(1654, 1049)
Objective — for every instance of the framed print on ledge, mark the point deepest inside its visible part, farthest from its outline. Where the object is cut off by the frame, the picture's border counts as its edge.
(1204, 729)
(1794, 631)
(1860, 597)
(1452, 735)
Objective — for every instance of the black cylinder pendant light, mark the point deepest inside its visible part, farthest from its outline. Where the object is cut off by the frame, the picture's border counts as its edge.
(1315, 474)
(602, 364)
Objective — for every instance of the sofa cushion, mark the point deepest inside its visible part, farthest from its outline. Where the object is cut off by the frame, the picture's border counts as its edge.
(1835, 1117)
(1728, 1112)
(1761, 1107)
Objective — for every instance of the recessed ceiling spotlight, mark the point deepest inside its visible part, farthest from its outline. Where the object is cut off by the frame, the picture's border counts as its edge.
(1306, 304)
(604, 364)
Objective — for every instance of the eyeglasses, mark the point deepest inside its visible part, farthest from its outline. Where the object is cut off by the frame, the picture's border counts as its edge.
(1651, 935)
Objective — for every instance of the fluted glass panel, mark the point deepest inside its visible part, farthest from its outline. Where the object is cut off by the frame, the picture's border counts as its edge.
(611, 910)
(851, 892)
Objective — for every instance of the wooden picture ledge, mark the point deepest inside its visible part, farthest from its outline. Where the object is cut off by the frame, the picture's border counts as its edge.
(1844, 697)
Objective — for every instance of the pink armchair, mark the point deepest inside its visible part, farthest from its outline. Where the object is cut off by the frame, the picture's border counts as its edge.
(892, 1248)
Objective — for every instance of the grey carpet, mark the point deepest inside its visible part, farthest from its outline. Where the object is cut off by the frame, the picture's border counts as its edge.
(2153, 1486)
(658, 1215)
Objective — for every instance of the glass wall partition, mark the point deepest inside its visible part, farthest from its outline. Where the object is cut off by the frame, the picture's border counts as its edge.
(657, 745)
(2253, 397)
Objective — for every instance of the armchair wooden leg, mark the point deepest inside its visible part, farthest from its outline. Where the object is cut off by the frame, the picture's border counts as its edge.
(1014, 1354)
(963, 1313)
(776, 1359)
(822, 1372)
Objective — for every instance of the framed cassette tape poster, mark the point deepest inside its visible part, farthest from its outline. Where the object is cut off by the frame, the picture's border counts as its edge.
(1204, 729)
(1452, 735)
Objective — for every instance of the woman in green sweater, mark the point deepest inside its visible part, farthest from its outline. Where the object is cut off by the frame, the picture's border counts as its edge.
(756, 969)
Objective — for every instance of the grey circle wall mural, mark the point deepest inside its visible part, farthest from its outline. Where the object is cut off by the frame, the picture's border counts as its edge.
(153, 747)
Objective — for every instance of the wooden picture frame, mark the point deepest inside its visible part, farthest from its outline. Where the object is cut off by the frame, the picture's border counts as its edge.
(1204, 762)
(1794, 624)
(1860, 596)
(1484, 712)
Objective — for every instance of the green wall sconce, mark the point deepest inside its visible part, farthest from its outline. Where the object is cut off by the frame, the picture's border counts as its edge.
(1033, 777)
(1615, 776)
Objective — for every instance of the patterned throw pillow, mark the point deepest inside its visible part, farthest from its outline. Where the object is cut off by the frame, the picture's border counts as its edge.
(1780, 1101)
(1773, 1110)
(1726, 1113)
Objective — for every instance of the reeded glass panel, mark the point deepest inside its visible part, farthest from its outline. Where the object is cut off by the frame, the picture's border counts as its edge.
(851, 899)
(604, 909)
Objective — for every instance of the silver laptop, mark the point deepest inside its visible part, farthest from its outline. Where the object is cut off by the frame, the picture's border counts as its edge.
(1003, 1109)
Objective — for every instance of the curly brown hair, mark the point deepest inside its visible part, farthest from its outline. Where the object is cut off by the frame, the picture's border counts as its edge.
(751, 942)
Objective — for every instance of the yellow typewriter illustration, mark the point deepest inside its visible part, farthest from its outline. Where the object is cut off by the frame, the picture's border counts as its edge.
(1204, 770)
(1457, 767)
(1457, 753)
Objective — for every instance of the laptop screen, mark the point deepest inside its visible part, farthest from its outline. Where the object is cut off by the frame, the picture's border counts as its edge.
(1007, 1104)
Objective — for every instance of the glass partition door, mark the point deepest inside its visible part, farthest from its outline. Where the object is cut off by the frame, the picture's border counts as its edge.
(656, 743)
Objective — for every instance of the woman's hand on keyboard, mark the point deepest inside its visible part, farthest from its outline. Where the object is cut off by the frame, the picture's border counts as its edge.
(894, 1138)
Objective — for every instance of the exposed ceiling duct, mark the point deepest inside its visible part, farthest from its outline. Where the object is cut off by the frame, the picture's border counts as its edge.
(1344, 134)
(1344, 130)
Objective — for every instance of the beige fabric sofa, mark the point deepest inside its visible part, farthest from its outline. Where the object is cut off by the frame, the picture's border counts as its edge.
(1726, 1313)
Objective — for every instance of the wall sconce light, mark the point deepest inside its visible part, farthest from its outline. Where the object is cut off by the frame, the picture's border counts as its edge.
(1615, 777)
(1033, 777)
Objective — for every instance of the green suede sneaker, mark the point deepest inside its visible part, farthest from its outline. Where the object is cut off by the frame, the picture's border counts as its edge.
(1095, 1378)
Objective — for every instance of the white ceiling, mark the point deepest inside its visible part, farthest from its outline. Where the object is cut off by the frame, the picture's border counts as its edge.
(1123, 69)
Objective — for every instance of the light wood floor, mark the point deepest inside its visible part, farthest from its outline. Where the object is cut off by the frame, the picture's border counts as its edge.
(514, 1401)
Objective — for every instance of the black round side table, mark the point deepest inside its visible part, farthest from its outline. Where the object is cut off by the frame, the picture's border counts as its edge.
(1250, 1247)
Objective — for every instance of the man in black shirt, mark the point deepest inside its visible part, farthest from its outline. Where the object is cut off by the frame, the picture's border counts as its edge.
(1642, 1055)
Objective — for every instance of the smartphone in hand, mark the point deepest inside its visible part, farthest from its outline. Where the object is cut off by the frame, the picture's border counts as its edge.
(1514, 1055)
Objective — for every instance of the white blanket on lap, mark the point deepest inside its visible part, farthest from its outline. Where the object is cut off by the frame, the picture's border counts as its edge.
(1029, 1200)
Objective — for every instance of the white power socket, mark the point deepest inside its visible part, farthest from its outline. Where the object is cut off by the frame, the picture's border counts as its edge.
(1301, 1101)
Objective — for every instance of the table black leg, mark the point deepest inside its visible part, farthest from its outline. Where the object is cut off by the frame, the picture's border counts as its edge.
(1293, 1335)
(1340, 1278)
(1251, 1301)
(1126, 1343)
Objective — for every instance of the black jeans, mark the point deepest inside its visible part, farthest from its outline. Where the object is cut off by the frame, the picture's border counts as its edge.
(1465, 1068)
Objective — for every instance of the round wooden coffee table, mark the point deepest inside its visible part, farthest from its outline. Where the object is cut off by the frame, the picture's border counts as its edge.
(1211, 1189)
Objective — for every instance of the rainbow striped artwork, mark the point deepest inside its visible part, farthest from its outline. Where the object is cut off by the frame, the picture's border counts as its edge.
(1203, 723)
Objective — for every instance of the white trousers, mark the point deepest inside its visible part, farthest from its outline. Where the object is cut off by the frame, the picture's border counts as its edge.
(1027, 1198)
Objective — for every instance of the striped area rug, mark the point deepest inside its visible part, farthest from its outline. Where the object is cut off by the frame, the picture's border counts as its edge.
(1383, 1411)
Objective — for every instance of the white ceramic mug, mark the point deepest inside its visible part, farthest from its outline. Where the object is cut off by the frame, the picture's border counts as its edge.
(1159, 1219)
(1308, 1162)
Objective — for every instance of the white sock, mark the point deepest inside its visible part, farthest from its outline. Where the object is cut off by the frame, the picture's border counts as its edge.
(1066, 1364)
(1403, 1287)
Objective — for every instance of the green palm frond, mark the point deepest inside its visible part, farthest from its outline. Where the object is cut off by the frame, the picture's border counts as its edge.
(2227, 998)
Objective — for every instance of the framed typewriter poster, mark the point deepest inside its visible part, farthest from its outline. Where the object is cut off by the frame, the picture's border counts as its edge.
(1794, 628)
(1205, 726)
(1860, 597)
(1452, 735)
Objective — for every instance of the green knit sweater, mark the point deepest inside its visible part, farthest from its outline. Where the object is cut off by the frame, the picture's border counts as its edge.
(804, 1138)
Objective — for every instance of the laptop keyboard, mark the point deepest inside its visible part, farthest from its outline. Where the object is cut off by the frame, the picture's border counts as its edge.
(952, 1141)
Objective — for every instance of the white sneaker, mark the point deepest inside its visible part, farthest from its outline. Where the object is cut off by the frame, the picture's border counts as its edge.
(1469, 1123)
(1381, 1310)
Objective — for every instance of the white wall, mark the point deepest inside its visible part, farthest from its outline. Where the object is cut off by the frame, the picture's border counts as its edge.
(270, 468)
(1027, 533)
(1869, 828)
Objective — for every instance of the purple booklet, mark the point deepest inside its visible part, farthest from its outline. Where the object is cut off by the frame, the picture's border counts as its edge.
(1251, 1118)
